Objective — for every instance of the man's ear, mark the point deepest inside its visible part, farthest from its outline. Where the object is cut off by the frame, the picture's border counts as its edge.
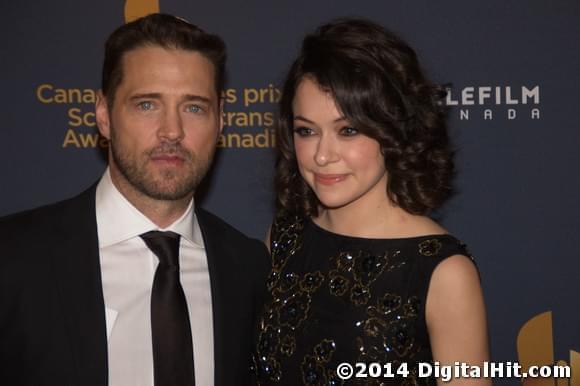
(102, 115)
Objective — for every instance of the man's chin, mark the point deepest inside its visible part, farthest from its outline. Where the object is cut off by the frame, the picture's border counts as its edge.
(167, 193)
(166, 169)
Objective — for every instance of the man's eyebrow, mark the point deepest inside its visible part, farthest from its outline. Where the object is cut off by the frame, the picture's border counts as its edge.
(187, 97)
(150, 95)
(197, 98)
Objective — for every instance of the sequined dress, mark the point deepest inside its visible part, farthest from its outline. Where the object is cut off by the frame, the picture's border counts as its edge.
(335, 299)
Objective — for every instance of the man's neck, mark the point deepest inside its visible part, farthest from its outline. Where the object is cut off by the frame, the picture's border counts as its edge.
(161, 212)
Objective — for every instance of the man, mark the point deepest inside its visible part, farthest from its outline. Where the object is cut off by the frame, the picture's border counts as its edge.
(130, 283)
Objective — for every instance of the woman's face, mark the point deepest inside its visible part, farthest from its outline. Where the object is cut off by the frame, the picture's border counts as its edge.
(343, 167)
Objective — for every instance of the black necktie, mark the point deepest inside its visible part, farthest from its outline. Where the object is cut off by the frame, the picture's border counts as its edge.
(170, 328)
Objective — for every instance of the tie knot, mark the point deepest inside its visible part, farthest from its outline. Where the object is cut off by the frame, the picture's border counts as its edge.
(165, 245)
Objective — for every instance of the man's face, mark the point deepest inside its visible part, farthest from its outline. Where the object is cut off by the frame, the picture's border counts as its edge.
(164, 123)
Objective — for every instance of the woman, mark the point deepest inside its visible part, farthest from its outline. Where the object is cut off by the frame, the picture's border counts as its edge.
(360, 273)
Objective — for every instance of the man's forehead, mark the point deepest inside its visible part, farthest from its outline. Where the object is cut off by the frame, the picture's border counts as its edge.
(158, 51)
(167, 68)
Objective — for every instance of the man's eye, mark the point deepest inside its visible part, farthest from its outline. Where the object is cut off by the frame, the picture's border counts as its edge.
(348, 131)
(193, 109)
(145, 105)
(303, 131)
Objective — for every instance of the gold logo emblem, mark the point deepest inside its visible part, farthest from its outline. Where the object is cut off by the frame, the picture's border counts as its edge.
(536, 348)
(134, 9)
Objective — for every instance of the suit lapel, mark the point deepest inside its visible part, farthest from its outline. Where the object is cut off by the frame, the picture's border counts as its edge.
(76, 255)
(222, 277)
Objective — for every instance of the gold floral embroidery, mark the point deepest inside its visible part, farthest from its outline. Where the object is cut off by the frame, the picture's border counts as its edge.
(314, 372)
(430, 247)
(338, 284)
(386, 331)
(288, 345)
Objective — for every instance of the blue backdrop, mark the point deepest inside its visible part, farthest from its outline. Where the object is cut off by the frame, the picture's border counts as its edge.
(514, 75)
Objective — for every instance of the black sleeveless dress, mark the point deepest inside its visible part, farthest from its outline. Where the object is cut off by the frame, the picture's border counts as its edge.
(335, 299)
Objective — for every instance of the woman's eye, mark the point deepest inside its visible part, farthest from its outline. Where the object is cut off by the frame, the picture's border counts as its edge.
(303, 131)
(348, 131)
(145, 105)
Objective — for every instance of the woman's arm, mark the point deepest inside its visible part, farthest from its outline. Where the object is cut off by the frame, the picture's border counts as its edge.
(455, 314)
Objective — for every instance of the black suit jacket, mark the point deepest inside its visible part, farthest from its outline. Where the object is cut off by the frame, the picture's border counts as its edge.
(52, 318)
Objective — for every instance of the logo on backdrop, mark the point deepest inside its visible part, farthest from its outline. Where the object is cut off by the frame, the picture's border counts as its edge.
(248, 116)
(247, 125)
(535, 345)
(488, 103)
(134, 9)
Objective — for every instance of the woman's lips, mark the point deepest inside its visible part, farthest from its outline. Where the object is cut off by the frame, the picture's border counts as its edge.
(329, 179)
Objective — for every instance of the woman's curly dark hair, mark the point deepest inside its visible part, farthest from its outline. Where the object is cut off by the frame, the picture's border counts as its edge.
(378, 85)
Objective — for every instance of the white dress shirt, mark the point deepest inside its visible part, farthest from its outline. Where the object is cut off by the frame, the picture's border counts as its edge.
(127, 269)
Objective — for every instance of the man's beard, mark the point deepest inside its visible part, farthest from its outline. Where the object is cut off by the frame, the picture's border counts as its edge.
(168, 185)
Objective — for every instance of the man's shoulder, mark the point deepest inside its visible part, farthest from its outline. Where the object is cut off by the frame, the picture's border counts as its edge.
(46, 217)
(220, 232)
(210, 222)
(248, 254)
(30, 240)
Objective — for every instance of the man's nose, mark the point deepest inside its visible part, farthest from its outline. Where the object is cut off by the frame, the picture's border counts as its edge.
(171, 127)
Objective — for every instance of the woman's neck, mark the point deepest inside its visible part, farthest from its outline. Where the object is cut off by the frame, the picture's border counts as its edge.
(385, 220)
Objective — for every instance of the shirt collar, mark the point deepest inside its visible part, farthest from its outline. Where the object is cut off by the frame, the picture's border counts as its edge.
(118, 220)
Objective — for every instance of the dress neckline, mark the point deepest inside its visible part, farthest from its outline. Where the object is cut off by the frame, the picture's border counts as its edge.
(320, 230)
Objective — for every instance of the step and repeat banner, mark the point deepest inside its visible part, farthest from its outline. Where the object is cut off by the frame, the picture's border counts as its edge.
(513, 70)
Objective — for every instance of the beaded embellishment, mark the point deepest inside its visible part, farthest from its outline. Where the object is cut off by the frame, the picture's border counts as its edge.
(384, 331)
